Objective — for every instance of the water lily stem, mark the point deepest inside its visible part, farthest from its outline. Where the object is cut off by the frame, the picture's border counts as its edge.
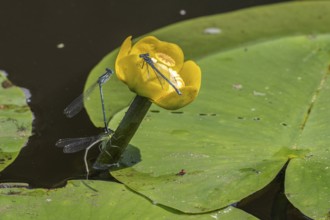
(114, 148)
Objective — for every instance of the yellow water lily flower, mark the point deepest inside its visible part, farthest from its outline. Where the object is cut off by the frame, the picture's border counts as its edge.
(156, 69)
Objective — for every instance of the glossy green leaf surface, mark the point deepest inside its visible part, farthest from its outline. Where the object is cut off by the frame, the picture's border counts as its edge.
(93, 200)
(308, 179)
(15, 121)
(263, 101)
(232, 149)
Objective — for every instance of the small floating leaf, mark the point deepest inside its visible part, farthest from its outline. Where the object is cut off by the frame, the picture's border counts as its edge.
(15, 121)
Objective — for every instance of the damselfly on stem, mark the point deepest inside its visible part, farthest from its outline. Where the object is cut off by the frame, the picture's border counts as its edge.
(77, 104)
(73, 145)
(148, 60)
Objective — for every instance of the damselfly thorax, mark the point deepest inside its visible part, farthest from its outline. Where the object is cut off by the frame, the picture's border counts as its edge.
(162, 65)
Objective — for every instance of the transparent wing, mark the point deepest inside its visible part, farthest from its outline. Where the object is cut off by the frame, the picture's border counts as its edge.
(149, 61)
(157, 75)
(72, 145)
(164, 77)
(78, 103)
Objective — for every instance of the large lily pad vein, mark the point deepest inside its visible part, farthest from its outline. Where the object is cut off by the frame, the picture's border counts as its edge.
(263, 101)
(15, 121)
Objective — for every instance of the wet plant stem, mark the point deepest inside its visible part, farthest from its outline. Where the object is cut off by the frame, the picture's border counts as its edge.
(111, 153)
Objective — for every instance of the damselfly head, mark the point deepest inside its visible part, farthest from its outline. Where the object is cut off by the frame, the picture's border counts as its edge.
(144, 55)
(105, 77)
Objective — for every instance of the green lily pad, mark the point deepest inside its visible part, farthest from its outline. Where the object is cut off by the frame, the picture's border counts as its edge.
(262, 102)
(232, 149)
(15, 121)
(93, 200)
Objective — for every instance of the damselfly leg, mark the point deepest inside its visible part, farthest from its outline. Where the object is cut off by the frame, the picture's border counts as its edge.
(77, 104)
(150, 62)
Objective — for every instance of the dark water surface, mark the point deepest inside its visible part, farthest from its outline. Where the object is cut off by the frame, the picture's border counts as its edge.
(32, 34)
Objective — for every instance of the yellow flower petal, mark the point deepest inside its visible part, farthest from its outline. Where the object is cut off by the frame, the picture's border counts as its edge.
(125, 48)
(191, 74)
(123, 52)
(145, 45)
(173, 101)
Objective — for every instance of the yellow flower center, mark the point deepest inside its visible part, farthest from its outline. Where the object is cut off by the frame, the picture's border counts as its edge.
(163, 63)
(166, 59)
